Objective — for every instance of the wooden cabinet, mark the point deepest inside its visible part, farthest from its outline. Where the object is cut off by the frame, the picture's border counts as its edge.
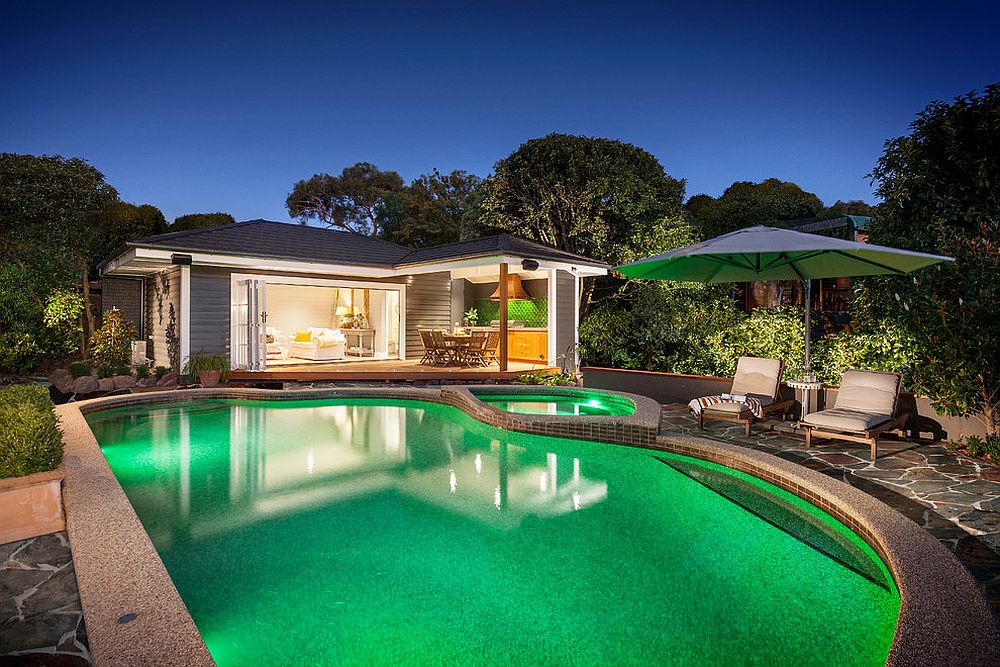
(532, 346)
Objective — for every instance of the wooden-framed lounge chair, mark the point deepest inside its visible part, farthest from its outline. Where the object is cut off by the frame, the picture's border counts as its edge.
(865, 407)
(755, 378)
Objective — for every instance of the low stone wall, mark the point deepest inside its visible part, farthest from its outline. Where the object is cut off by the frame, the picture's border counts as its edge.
(678, 388)
(943, 620)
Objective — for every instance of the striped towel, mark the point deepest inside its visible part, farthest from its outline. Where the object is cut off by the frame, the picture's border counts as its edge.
(752, 404)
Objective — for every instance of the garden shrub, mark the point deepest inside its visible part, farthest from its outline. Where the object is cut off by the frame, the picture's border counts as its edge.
(160, 371)
(877, 345)
(31, 440)
(112, 343)
(142, 371)
(79, 368)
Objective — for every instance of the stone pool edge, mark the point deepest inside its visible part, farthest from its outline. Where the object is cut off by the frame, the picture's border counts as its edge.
(943, 618)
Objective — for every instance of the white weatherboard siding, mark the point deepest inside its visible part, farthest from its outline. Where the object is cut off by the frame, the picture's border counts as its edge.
(163, 291)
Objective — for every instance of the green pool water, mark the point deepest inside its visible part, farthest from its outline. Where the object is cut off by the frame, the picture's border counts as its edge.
(591, 403)
(377, 531)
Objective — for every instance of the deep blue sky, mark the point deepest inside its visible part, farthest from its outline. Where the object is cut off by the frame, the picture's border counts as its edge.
(203, 108)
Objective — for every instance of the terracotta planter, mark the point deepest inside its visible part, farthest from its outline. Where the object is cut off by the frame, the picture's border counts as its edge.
(31, 506)
(210, 378)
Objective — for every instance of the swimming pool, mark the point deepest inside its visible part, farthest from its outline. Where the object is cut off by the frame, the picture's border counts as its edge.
(564, 402)
(376, 530)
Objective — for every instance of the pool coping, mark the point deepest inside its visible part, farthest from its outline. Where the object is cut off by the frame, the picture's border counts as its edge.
(943, 619)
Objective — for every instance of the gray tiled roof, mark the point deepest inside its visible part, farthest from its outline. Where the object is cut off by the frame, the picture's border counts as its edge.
(280, 240)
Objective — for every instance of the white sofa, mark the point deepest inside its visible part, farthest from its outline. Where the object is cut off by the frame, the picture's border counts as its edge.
(324, 345)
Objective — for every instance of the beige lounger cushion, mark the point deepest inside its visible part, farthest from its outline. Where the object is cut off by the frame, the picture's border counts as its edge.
(868, 391)
(757, 377)
(843, 419)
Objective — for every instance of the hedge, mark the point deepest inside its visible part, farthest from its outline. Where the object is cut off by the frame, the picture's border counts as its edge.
(30, 440)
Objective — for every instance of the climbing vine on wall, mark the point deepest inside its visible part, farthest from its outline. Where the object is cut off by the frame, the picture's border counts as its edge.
(173, 342)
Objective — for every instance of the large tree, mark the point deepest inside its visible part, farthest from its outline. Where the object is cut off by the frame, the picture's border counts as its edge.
(432, 210)
(200, 221)
(120, 222)
(48, 236)
(353, 201)
(597, 197)
(940, 191)
(851, 207)
(745, 204)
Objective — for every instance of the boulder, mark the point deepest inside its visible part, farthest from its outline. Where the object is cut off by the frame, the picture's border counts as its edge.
(87, 384)
(146, 382)
(62, 380)
(168, 380)
(105, 384)
(123, 381)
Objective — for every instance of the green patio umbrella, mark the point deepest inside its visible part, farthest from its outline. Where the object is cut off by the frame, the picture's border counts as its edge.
(769, 253)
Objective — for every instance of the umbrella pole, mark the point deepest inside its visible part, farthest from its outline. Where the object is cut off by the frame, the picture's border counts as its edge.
(807, 373)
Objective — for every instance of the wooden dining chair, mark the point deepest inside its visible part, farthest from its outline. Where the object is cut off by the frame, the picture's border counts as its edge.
(475, 350)
(490, 348)
(443, 353)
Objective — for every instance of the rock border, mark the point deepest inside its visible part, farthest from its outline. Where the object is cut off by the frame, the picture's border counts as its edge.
(943, 619)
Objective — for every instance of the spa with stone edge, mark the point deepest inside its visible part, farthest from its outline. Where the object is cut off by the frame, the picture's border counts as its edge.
(404, 526)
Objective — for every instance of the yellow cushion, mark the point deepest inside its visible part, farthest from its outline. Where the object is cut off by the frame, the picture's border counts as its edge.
(302, 336)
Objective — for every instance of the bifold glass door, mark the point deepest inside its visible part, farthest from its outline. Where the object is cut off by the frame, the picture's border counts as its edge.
(249, 314)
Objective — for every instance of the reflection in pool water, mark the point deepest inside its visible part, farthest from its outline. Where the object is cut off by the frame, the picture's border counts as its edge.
(389, 531)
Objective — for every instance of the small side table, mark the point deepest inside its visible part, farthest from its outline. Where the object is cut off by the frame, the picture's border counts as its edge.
(806, 393)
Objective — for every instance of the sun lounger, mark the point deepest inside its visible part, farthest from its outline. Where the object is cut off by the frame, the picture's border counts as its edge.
(755, 378)
(865, 407)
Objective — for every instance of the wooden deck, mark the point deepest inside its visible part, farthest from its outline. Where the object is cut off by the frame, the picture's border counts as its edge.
(383, 370)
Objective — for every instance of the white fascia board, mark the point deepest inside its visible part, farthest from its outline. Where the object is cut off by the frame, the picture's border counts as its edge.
(118, 261)
(463, 267)
(262, 263)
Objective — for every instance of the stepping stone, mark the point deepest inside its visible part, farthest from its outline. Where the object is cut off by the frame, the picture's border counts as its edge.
(39, 632)
(14, 583)
(981, 486)
(58, 591)
(47, 551)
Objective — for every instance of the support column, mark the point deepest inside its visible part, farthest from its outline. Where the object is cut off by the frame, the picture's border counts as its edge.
(185, 316)
(503, 316)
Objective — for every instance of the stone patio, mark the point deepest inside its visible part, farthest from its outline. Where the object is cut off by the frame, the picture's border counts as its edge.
(953, 497)
(41, 622)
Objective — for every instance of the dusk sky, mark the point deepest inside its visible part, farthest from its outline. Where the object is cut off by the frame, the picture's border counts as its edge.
(222, 108)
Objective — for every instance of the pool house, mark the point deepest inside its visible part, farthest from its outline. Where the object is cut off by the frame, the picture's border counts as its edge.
(287, 302)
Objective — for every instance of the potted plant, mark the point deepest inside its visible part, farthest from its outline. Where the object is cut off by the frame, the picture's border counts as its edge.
(210, 369)
(471, 317)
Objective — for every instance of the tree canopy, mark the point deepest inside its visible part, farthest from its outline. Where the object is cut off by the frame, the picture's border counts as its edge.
(432, 210)
(120, 222)
(48, 206)
(354, 201)
(597, 197)
(940, 190)
(852, 207)
(200, 221)
(745, 204)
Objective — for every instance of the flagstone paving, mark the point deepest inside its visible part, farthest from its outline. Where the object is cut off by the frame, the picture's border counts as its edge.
(41, 622)
(955, 498)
